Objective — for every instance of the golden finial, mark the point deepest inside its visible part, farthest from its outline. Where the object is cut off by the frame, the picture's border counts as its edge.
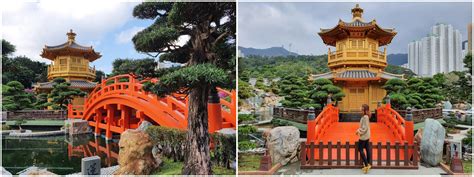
(71, 36)
(357, 12)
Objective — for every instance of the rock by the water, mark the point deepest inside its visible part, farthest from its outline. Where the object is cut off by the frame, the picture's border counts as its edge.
(432, 142)
(36, 171)
(135, 156)
(145, 124)
(77, 126)
(283, 144)
(447, 105)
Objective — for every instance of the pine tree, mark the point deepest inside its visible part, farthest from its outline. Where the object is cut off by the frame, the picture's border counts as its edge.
(15, 97)
(295, 91)
(62, 94)
(209, 57)
(321, 89)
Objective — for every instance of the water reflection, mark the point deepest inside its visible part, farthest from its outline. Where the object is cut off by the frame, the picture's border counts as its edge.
(81, 146)
(60, 154)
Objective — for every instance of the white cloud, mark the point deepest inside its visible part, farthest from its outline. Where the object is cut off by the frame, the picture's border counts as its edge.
(31, 25)
(127, 35)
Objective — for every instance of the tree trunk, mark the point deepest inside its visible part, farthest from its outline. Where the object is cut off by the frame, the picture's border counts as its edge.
(197, 154)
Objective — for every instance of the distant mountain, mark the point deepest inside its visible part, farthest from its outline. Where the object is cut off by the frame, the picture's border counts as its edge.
(397, 59)
(269, 52)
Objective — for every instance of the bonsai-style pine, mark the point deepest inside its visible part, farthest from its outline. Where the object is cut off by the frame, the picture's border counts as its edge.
(61, 93)
(15, 97)
(209, 57)
(321, 90)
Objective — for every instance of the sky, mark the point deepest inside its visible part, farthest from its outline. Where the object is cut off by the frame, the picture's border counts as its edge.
(264, 25)
(106, 25)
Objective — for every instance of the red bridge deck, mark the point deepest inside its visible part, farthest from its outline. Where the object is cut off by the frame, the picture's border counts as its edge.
(345, 131)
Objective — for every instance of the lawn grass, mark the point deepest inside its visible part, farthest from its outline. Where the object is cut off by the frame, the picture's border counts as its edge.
(170, 167)
(42, 122)
(467, 166)
(249, 162)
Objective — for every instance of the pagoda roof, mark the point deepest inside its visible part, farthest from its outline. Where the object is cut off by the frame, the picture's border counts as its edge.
(70, 48)
(357, 74)
(357, 28)
(74, 84)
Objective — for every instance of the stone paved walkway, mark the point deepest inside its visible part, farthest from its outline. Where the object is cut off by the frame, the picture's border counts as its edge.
(294, 169)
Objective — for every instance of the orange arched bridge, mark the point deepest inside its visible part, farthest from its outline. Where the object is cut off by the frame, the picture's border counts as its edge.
(119, 103)
(332, 144)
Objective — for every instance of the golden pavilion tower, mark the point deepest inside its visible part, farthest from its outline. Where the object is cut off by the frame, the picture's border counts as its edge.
(357, 64)
(71, 62)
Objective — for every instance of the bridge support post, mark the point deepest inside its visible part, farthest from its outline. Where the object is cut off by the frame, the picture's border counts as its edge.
(98, 120)
(214, 111)
(311, 130)
(110, 117)
(124, 116)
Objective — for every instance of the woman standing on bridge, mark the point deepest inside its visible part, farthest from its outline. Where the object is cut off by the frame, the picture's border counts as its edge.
(364, 134)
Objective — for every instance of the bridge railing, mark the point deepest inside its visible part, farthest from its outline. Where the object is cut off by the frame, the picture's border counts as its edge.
(346, 155)
(401, 127)
(318, 126)
(229, 111)
(176, 104)
(75, 111)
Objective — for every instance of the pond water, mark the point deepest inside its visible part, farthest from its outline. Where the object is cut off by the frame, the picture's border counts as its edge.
(59, 154)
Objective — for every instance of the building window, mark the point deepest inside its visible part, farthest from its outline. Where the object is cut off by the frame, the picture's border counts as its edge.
(63, 61)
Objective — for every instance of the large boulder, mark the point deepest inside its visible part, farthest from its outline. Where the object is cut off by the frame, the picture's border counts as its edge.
(283, 144)
(432, 142)
(135, 156)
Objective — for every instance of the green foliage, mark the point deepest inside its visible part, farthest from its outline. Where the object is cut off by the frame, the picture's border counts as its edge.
(5, 127)
(7, 48)
(456, 86)
(23, 70)
(468, 62)
(259, 84)
(245, 130)
(246, 118)
(295, 91)
(399, 70)
(189, 77)
(140, 67)
(62, 94)
(245, 90)
(394, 86)
(99, 75)
(209, 55)
(279, 67)
(15, 97)
(321, 90)
(41, 101)
(416, 92)
(468, 139)
(246, 145)
(171, 139)
(20, 122)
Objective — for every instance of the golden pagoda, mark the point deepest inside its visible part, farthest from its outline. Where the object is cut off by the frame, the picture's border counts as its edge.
(71, 62)
(357, 64)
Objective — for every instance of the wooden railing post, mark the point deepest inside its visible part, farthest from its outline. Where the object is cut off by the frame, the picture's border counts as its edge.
(397, 153)
(303, 153)
(321, 157)
(388, 154)
(338, 146)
